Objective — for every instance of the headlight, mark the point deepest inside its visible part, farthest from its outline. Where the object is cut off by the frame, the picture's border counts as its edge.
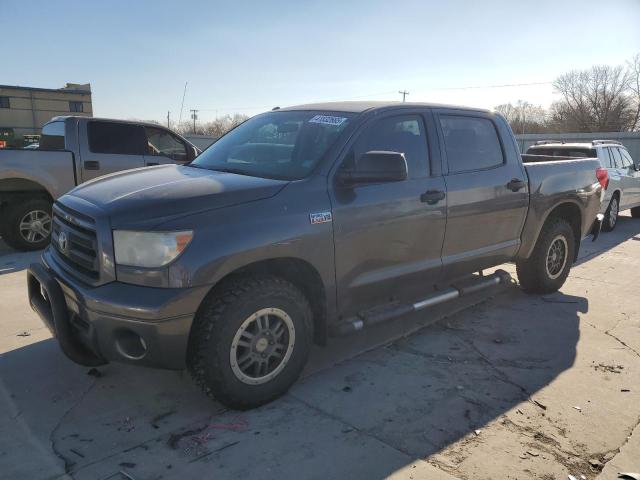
(149, 249)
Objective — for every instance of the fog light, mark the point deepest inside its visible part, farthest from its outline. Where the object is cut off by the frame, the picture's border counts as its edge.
(130, 345)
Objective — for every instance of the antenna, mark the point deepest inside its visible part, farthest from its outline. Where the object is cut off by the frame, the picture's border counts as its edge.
(182, 106)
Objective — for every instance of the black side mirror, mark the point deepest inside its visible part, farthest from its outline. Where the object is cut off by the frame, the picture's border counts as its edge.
(376, 166)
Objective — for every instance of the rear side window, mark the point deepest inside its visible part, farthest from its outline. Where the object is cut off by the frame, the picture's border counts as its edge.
(52, 137)
(627, 161)
(116, 138)
(404, 134)
(471, 143)
(616, 159)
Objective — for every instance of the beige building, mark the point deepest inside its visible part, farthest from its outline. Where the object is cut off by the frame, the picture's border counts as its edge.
(24, 110)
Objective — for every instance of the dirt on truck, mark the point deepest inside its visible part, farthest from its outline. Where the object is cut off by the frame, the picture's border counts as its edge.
(301, 224)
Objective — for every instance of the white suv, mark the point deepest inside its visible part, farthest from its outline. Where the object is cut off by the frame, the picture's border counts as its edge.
(623, 191)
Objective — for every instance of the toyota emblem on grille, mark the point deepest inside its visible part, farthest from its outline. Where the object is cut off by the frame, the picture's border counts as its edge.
(63, 241)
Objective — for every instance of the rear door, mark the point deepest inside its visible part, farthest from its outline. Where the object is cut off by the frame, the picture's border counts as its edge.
(388, 237)
(107, 147)
(164, 147)
(487, 191)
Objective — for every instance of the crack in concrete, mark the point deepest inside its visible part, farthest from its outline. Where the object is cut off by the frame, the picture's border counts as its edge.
(52, 440)
(609, 334)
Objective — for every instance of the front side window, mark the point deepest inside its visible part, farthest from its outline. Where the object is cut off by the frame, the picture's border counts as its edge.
(162, 143)
(52, 137)
(471, 143)
(4, 102)
(404, 134)
(116, 138)
(76, 107)
(285, 144)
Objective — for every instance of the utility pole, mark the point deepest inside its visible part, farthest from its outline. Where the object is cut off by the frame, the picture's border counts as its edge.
(168, 119)
(194, 115)
(404, 93)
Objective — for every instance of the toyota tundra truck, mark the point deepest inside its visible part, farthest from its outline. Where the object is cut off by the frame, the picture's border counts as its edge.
(73, 150)
(301, 224)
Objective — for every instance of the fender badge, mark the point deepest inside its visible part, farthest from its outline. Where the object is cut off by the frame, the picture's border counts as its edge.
(320, 217)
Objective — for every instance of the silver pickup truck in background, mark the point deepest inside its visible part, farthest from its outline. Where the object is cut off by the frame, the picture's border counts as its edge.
(74, 150)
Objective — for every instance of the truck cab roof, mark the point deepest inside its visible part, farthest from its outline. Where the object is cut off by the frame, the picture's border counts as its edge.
(363, 106)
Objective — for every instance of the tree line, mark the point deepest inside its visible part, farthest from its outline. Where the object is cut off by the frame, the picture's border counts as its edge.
(600, 99)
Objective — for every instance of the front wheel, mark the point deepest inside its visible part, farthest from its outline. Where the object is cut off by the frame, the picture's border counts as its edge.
(546, 270)
(250, 341)
(611, 215)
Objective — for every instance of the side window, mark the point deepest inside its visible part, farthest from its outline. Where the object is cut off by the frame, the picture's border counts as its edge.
(4, 102)
(116, 138)
(616, 158)
(471, 143)
(76, 106)
(627, 161)
(404, 134)
(160, 142)
(605, 157)
(52, 137)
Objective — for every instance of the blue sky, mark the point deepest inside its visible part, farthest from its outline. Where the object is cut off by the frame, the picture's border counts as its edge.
(248, 56)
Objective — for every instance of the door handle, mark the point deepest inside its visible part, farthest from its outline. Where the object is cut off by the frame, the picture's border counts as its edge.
(432, 196)
(516, 184)
(91, 165)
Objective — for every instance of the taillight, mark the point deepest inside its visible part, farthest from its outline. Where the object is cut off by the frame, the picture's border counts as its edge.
(602, 174)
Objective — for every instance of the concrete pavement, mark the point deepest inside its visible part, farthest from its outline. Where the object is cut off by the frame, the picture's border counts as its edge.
(513, 386)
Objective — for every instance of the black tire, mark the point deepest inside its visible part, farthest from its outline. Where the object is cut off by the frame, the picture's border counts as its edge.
(534, 274)
(13, 216)
(611, 215)
(635, 212)
(219, 320)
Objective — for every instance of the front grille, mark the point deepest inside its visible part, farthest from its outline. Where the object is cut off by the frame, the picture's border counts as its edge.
(75, 243)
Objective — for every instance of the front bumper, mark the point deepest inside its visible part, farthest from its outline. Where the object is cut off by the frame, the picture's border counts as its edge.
(116, 321)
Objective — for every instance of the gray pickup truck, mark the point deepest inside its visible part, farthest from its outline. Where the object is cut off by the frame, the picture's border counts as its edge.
(73, 150)
(300, 224)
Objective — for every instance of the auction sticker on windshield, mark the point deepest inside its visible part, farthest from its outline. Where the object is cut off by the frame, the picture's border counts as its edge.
(328, 120)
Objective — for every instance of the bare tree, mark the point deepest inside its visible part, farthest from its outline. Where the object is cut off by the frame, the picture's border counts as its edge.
(594, 100)
(633, 68)
(524, 117)
(215, 128)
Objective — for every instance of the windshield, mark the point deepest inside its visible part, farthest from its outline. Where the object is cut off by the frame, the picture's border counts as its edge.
(286, 145)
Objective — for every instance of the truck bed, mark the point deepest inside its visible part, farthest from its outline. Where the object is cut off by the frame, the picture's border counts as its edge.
(53, 169)
(556, 182)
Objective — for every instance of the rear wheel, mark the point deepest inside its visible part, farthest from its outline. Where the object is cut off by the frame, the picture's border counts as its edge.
(28, 224)
(611, 215)
(547, 268)
(635, 212)
(250, 341)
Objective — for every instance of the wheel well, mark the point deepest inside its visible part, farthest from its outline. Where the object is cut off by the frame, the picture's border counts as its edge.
(571, 213)
(301, 274)
(13, 189)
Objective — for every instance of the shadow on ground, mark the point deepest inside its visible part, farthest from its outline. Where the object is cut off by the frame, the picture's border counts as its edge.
(366, 417)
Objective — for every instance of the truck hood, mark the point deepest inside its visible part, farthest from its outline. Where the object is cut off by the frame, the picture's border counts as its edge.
(152, 195)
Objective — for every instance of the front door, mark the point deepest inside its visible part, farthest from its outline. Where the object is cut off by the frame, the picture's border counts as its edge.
(108, 147)
(631, 179)
(487, 192)
(388, 237)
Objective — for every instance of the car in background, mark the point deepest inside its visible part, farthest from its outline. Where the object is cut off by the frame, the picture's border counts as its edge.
(623, 191)
(71, 151)
(32, 146)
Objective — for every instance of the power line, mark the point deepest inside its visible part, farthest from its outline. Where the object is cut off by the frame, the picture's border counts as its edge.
(182, 105)
(493, 86)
